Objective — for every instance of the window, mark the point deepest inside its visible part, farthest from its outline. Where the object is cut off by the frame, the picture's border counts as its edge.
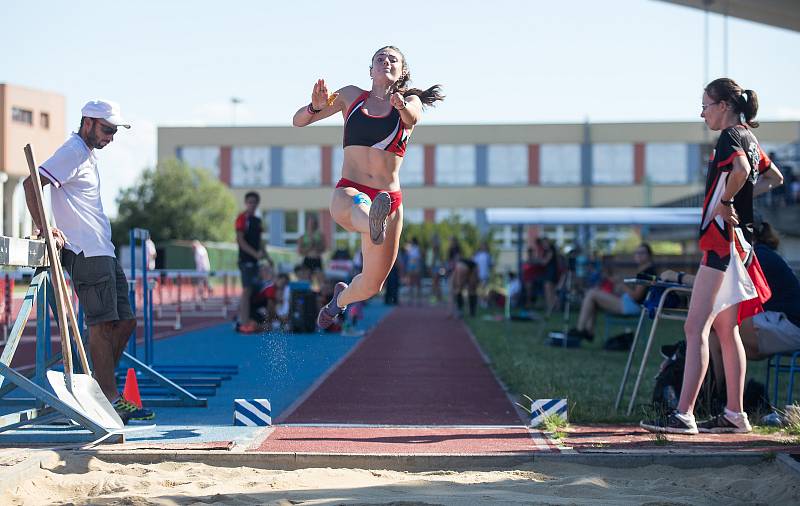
(612, 163)
(560, 164)
(250, 167)
(21, 115)
(201, 157)
(337, 160)
(455, 165)
(412, 172)
(291, 226)
(302, 166)
(44, 120)
(413, 215)
(666, 163)
(508, 164)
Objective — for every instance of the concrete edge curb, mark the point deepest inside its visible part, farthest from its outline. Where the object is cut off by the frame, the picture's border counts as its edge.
(15, 474)
(431, 462)
(788, 463)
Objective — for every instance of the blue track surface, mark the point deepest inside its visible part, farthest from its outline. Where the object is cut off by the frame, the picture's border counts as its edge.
(276, 366)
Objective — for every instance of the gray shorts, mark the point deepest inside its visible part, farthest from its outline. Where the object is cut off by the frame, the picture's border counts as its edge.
(249, 274)
(101, 286)
(775, 333)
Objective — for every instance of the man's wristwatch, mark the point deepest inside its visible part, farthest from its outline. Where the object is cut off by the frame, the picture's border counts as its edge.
(726, 202)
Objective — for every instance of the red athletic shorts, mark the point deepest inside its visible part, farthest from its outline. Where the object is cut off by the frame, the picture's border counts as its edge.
(397, 197)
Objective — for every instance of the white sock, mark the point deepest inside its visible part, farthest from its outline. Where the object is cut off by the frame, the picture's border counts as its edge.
(687, 418)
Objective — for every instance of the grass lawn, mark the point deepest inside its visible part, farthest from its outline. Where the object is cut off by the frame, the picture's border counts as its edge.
(588, 376)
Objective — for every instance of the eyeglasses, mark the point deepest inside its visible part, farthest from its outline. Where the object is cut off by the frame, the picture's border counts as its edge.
(107, 129)
(704, 106)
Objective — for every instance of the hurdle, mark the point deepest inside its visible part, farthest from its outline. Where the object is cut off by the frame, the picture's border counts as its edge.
(178, 375)
(172, 394)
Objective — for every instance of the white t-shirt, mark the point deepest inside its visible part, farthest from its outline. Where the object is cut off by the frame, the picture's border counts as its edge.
(75, 196)
(201, 261)
(151, 254)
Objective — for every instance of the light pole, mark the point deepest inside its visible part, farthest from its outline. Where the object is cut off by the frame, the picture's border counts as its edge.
(234, 102)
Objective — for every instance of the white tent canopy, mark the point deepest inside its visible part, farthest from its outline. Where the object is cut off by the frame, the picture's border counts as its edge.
(594, 216)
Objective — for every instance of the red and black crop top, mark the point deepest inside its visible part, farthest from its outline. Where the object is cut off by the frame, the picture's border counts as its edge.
(388, 133)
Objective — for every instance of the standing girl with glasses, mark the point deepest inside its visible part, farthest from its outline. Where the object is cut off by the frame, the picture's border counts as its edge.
(738, 171)
(377, 125)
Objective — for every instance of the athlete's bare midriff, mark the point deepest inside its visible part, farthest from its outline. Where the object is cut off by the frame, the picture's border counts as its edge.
(372, 167)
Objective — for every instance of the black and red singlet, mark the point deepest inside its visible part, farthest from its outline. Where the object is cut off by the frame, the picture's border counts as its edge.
(388, 133)
(714, 232)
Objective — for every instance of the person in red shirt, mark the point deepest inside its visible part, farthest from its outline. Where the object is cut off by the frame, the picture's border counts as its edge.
(251, 250)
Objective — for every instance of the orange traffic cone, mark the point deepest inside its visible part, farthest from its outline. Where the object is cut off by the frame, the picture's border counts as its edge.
(131, 391)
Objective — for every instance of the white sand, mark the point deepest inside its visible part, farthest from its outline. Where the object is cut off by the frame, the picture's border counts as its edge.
(86, 480)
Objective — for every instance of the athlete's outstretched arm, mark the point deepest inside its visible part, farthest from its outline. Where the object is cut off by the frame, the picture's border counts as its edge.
(410, 107)
(320, 107)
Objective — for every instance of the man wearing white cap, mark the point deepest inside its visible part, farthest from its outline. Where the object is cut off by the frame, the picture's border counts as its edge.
(84, 233)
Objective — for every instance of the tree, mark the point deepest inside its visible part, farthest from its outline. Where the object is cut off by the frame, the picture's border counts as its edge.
(468, 235)
(176, 201)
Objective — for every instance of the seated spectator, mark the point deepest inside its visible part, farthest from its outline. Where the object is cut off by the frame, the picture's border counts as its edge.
(777, 329)
(626, 300)
(514, 290)
(282, 297)
(263, 296)
(302, 273)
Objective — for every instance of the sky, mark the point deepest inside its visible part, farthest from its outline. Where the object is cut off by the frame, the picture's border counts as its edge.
(178, 63)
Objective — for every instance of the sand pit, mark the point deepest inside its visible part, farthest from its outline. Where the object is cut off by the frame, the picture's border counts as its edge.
(87, 480)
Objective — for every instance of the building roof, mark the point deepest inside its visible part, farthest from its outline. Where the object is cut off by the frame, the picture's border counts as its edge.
(780, 13)
(594, 216)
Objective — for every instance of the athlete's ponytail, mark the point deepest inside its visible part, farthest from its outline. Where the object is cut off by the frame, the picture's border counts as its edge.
(427, 97)
(744, 102)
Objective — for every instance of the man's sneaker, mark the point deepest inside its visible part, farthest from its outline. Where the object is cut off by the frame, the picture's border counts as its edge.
(122, 411)
(331, 311)
(674, 423)
(721, 424)
(131, 411)
(378, 212)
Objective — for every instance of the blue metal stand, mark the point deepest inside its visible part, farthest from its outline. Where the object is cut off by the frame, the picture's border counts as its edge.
(47, 407)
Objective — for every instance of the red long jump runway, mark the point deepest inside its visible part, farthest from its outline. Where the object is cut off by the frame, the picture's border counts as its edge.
(417, 384)
(417, 367)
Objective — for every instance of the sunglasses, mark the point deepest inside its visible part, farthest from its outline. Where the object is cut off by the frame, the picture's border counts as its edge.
(108, 130)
